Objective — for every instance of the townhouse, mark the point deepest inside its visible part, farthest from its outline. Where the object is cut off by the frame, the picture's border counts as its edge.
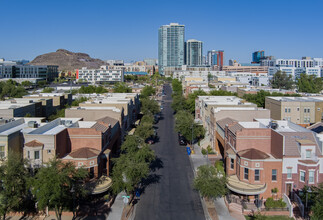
(266, 157)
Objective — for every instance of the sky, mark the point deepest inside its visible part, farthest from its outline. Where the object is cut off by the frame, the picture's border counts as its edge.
(128, 30)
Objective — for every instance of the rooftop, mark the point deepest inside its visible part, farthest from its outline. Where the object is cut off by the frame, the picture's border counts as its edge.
(295, 99)
(253, 154)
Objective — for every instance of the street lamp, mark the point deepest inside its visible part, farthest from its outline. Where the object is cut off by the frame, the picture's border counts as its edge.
(73, 193)
(307, 192)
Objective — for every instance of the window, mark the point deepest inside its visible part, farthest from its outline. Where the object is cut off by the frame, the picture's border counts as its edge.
(298, 109)
(289, 173)
(257, 175)
(311, 177)
(36, 155)
(232, 163)
(318, 109)
(286, 110)
(2, 153)
(274, 175)
(302, 176)
(246, 173)
(28, 153)
(49, 151)
(308, 154)
(80, 164)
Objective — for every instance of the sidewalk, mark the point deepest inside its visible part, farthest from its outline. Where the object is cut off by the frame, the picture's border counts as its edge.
(198, 159)
(117, 207)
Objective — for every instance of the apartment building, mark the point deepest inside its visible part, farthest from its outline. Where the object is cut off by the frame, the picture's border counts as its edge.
(250, 69)
(20, 108)
(127, 102)
(300, 110)
(60, 100)
(104, 74)
(46, 72)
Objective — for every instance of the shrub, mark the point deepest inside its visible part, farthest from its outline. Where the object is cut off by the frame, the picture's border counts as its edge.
(271, 203)
(204, 151)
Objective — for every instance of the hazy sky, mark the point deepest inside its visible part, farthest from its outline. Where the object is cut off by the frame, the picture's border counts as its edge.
(116, 29)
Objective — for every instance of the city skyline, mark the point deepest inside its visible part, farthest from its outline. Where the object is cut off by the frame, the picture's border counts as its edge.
(235, 27)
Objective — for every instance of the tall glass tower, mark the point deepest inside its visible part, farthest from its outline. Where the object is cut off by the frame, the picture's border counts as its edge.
(193, 52)
(170, 46)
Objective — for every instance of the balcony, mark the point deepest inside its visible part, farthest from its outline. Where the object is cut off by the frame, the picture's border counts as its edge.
(237, 186)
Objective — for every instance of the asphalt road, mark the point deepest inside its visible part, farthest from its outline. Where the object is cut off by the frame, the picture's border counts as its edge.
(169, 193)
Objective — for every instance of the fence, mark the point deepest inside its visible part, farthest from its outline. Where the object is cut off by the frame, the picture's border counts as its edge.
(288, 204)
(299, 203)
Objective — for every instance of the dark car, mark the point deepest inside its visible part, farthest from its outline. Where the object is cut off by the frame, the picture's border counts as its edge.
(181, 139)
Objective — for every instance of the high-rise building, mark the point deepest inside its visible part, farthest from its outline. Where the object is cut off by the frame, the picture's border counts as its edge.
(170, 46)
(215, 57)
(257, 56)
(193, 52)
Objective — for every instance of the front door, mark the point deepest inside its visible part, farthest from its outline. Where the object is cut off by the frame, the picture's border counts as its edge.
(289, 189)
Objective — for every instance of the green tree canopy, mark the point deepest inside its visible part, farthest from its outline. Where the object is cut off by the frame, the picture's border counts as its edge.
(92, 89)
(281, 80)
(177, 86)
(190, 101)
(121, 88)
(53, 183)
(147, 91)
(144, 130)
(26, 83)
(149, 106)
(309, 83)
(13, 188)
(210, 182)
(317, 208)
(48, 90)
(183, 124)
(132, 166)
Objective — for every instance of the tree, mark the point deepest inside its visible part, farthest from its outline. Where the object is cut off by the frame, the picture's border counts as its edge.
(92, 89)
(53, 183)
(48, 90)
(26, 83)
(147, 119)
(179, 102)
(147, 91)
(145, 130)
(281, 80)
(177, 86)
(76, 102)
(13, 189)
(309, 83)
(149, 106)
(210, 182)
(317, 208)
(121, 88)
(41, 83)
(190, 101)
(132, 166)
(183, 124)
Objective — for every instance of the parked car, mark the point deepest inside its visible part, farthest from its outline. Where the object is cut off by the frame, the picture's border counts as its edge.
(181, 139)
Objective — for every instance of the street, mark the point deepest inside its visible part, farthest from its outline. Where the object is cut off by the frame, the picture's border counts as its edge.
(169, 190)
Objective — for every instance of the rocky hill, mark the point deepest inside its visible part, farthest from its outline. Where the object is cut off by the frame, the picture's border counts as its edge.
(67, 60)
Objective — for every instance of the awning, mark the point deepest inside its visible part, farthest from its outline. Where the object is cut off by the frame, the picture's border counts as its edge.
(98, 186)
(237, 186)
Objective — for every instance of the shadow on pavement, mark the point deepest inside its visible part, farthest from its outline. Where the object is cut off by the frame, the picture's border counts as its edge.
(156, 164)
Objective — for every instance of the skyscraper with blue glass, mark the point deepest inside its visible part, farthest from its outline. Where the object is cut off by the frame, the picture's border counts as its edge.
(170, 46)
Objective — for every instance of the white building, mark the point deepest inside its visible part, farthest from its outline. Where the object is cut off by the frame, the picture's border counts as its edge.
(295, 72)
(100, 75)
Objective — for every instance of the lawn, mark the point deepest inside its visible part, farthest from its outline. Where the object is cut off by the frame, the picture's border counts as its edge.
(269, 217)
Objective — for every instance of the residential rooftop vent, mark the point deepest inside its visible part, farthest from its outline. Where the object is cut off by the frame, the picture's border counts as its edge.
(273, 125)
(32, 124)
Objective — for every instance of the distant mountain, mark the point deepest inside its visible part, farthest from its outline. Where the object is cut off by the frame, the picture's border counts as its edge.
(67, 60)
